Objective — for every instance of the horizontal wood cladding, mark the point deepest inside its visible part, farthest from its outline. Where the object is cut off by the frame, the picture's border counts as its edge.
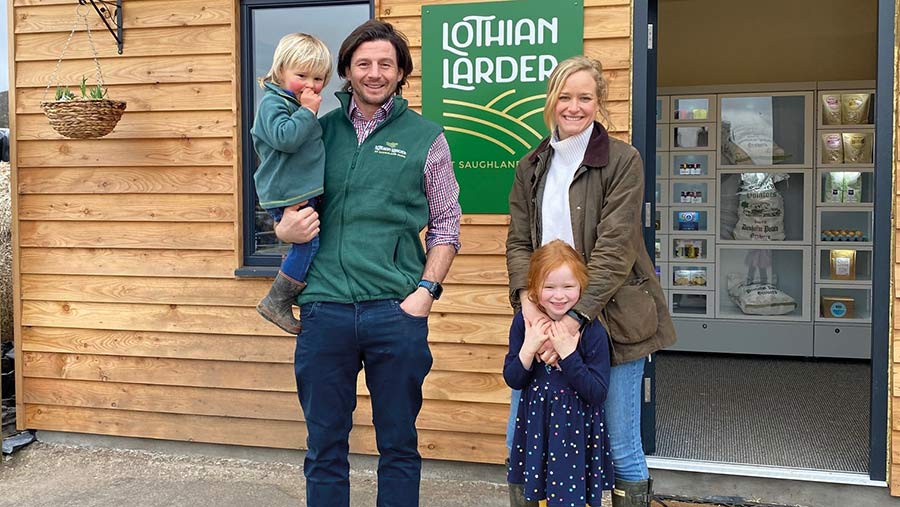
(392, 8)
(118, 152)
(166, 236)
(126, 180)
(440, 384)
(144, 125)
(131, 208)
(446, 445)
(179, 40)
(130, 262)
(148, 97)
(439, 415)
(139, 69)
(51, 17)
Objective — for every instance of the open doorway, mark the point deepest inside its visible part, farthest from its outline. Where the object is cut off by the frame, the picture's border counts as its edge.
(765, 212)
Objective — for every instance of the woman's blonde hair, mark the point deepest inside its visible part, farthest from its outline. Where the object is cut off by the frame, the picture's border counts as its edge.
(300, 51)
(549, 257)
(558, 79)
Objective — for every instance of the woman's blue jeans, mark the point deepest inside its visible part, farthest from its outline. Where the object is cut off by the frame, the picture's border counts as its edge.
(623, 418)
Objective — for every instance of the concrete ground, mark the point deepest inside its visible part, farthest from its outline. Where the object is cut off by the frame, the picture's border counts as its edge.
(76, 470)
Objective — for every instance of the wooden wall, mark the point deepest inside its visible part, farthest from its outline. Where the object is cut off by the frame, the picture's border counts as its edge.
(893, 443)
(129, 319)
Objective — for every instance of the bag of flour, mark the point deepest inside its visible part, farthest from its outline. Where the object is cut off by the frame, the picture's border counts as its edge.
(761, 208)
(759, 298)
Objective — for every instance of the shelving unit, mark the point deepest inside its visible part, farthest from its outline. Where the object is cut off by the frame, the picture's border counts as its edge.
(744, 196)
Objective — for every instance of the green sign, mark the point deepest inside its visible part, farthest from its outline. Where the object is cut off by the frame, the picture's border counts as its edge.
(484, 78)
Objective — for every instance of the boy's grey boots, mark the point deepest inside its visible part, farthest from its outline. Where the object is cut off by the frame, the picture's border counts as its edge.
(517, 497)
(632, 493)
(277, 306)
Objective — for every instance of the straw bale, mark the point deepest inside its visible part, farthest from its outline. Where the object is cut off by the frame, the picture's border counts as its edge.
(6, 289)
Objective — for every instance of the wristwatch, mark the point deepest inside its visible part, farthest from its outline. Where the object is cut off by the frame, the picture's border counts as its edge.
(582, 319)
(433, 288)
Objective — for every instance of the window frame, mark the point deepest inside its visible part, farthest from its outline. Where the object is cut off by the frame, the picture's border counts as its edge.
(255, 265)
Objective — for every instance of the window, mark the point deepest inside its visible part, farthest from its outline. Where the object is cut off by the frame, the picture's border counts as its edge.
(263, 23)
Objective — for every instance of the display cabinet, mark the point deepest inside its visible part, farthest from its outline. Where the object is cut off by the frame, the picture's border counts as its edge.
(850, 226)
(845, 264)
(693, 276)
(845, 108)
(846, 148)
(844, 304)
(837, 186)
(662, 251)
(759, 129)
(764, 205)
(842, 340)
(691, 248)
(662, 192)
(691, 303)
(662, 221)
(692, 108)
(701, 164)
(689, 218)
(768, 283)
(692, 192)
(662, 164)
(662, 137)
(665, 274)
(662, 109)
(692, 136)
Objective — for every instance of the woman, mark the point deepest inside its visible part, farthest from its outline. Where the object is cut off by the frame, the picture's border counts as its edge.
(586, 188)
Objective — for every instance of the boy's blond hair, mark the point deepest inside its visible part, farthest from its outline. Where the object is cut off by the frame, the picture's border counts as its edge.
(302, 51)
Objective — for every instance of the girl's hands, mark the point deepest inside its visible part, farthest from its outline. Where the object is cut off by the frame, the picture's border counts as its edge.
(535, 336)
(564, 341)
(310, 100)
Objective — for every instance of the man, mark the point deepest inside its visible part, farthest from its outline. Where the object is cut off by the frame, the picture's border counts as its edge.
(371, 287)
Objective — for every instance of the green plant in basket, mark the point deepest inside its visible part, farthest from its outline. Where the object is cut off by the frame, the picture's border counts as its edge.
(88, 116)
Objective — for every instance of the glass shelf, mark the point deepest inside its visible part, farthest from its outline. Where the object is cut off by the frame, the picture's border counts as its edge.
(692, 192)
(689, 219)
(695, 136)
(838, 187)
(845, 263)
(846, 108)
(662, 109)
(693, 108)
(765, 130)
(662, 251)
(662, 193)
(846, 304)
(692, 276)
(840, 148)
(662, 137)
(771, 206)
(699, 164)
(746, 276)
(692, 304)
(848, 226)
(687, 248)
(664, 274)
(662, 165)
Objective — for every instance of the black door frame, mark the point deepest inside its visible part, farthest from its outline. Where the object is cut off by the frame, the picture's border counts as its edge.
(643, 137)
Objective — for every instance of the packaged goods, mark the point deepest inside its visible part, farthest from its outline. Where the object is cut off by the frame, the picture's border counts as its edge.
(857, 148)
(854, 108)
(831, 109)
(750, 143)
(688, 220)
(759, 298)
(761, 212)
(688, 249)
(852, 187)
(838, 307)
(689, 276)
(843, 264)
(834, 187)
(832, 149)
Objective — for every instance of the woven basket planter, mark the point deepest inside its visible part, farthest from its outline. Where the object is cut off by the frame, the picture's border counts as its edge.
(84, 119)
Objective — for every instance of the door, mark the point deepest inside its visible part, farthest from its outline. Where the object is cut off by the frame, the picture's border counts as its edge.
(643, 137)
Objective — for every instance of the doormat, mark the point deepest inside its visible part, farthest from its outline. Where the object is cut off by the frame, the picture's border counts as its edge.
(720, 501)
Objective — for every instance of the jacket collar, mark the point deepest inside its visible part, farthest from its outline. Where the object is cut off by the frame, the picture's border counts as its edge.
(274, 88)
(596, 155)
(398, 106)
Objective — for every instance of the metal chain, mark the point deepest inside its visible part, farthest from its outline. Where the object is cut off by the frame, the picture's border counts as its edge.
(79, 14)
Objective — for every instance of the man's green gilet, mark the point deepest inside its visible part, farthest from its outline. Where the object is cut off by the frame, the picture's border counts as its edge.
(374, 208)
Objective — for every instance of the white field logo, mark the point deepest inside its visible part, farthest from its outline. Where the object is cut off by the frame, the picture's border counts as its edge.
(391, 149)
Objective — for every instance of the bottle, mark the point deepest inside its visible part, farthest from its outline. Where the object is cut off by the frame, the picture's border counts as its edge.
(698, 197)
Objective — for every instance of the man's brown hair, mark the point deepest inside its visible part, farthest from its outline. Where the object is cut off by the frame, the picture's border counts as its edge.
(374, 30)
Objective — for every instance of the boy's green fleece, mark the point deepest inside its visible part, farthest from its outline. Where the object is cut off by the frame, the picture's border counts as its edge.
(374, 208)
(288, 139)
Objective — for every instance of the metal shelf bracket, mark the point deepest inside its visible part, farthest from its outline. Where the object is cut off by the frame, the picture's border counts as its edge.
(109, 13)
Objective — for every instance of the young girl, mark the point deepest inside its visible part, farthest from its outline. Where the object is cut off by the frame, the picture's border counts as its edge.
(560, 448)
(288, 139)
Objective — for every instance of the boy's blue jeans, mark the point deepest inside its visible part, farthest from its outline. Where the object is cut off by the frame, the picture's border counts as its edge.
(623, 419)
(298, 259)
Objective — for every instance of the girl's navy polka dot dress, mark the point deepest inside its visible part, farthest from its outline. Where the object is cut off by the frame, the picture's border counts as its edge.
(560, 447)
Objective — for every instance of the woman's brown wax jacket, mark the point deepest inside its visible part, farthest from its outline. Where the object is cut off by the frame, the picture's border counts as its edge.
(605, 200)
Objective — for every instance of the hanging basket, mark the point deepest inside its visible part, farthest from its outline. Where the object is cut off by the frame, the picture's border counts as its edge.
(84, 119)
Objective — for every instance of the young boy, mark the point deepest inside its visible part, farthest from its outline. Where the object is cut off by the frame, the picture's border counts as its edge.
(288, 139)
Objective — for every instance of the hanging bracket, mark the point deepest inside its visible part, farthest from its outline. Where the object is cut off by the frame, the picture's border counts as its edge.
(106, 15)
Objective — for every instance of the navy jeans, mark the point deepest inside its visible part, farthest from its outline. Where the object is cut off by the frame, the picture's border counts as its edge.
(298, 259)
(337, 341)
